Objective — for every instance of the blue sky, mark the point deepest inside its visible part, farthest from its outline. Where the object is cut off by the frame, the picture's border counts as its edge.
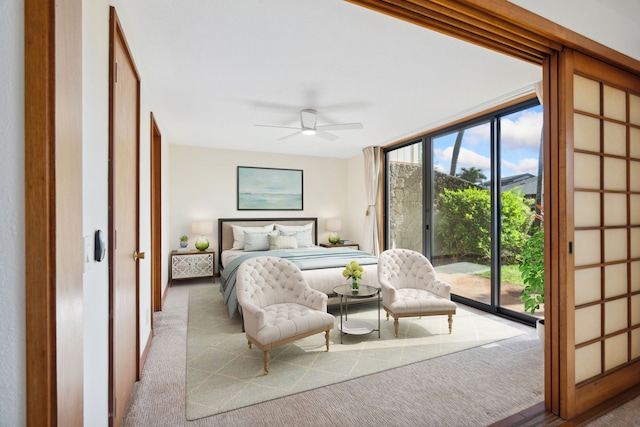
(521, 133)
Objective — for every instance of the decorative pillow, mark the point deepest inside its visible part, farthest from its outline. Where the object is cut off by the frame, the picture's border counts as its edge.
(303, 238)
(303, 233)
(238, 234)
(282, 242)
(257, 240)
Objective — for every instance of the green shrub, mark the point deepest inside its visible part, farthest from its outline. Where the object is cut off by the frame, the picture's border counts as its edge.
(465, 222)
(532, 269)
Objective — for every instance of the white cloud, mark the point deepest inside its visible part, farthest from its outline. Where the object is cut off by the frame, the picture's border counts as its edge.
(527, 165)
(466, 158)
(524, 132)
(477, 135)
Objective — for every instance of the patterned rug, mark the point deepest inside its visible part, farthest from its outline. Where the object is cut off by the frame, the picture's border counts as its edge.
(223, 374)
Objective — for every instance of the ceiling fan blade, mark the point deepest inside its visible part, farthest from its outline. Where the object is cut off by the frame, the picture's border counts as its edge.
(290, 135)
(326, 135)
(280, 127)
(342, 126)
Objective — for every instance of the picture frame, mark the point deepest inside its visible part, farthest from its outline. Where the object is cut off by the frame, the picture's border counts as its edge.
(269, 189)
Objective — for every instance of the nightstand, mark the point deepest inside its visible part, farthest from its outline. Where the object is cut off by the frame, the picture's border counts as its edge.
(192, 264)
(341, 245)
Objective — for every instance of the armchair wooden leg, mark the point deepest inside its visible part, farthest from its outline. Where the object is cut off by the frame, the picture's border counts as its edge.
(395, 326)
(265, 357)
(450, 322)
(249, 344)
(327, 336)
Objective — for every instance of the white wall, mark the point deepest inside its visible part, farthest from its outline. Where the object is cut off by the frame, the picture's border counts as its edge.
(12, 277)
(203, 186)
(95, 187)
(95, 200)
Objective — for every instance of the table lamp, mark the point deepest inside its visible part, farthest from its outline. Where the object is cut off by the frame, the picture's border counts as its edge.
(334, 225)
(201, 228)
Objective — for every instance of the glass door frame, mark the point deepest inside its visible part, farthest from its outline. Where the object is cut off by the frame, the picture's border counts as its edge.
(493, 118)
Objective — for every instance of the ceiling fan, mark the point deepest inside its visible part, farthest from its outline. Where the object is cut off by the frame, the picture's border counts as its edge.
(308, 126)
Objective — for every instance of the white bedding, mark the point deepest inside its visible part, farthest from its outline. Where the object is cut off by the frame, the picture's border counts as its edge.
(324, 280)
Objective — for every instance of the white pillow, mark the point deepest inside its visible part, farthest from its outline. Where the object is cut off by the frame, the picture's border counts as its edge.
(282, 227)
(238, 234)
(282, 242)
(302, 232)
(257, 240)
(303, 238)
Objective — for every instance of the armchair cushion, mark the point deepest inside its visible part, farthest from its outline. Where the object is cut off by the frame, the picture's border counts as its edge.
(278, 306)
(410, 286)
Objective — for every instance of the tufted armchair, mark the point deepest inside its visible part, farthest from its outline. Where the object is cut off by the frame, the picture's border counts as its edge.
(411, 288)
(278, 306)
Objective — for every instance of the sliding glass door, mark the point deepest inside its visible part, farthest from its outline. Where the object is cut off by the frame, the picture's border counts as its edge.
(461, 238)
(474, 206)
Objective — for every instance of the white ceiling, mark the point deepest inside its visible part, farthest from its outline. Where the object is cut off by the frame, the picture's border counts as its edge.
(215, 68)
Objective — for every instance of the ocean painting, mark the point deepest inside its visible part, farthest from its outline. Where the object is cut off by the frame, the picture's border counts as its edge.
(269, 189)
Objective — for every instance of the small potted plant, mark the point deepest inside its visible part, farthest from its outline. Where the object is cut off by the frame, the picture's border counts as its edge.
(354, 272)
(184, 241)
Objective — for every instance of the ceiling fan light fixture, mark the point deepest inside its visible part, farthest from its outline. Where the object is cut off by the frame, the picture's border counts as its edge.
(308, 131)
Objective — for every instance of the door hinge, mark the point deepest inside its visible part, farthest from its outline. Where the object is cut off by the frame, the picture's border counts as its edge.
(570, 247)
(116, 73)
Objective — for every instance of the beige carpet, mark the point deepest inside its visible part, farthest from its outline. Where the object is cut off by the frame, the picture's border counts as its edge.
(222, 374)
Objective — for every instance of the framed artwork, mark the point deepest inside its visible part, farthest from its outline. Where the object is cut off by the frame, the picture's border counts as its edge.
(269, 189)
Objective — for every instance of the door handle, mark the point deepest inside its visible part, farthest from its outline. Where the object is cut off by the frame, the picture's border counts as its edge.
(138, 255)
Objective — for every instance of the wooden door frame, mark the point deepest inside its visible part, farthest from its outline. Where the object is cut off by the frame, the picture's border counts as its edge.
(156, 216)
(116, 32)
(53, 212)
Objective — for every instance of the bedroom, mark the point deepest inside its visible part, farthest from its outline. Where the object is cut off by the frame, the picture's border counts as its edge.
(94, 198)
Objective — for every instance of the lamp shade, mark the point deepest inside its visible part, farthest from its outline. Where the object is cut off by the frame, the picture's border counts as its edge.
(202, 227)
(334, 224)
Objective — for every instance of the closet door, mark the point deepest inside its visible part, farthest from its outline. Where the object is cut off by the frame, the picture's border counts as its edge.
(599, 310)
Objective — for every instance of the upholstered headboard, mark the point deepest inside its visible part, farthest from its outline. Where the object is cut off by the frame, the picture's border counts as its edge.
(225, 232)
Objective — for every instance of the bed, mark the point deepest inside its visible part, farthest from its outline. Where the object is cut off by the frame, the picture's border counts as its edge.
(322, 267)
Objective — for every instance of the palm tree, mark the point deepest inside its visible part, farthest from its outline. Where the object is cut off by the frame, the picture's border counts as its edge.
(456, 153)
(473, 174)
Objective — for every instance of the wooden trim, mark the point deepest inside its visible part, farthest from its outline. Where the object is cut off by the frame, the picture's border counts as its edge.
(551, 205)
(40, 260)
(145, 353)
(566, 298)
(468, 23)
(500, 26)
(456, 122)
(53, 210)
(156, 216)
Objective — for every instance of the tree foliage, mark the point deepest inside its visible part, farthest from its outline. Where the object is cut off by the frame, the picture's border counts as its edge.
(472, 174)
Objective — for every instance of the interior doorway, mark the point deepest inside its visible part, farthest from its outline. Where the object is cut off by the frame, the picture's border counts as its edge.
(156, 217)
(124, 216)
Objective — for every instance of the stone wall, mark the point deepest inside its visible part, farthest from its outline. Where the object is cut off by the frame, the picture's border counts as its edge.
(406, 207)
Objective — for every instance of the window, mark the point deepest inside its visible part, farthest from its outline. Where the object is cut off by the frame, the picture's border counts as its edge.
(471, 209)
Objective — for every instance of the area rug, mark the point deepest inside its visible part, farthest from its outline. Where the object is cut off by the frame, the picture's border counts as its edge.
(224, 374)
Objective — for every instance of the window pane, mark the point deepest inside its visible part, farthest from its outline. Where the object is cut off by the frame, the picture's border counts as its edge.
(521, 185)
(462, 211)
(405, 192)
